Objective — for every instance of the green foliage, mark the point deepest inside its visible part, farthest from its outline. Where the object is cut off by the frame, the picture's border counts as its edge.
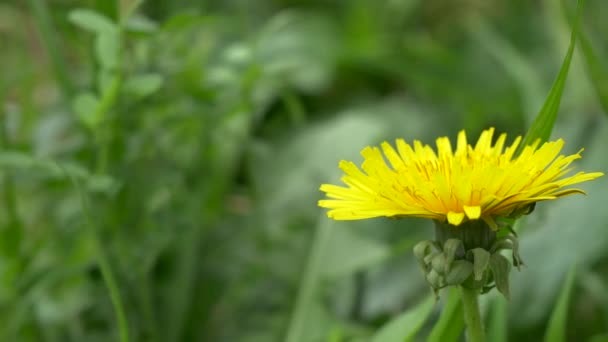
(407, 324)
(450, 324)
(598, 71)
(199, 133)
(497, 327)
(92, 21)
(545, 120)
(556, 330)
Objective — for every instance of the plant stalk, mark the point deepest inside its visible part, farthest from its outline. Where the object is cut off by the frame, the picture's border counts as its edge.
(10, 196)
(472, 316)
(49, 36)
(103, 262)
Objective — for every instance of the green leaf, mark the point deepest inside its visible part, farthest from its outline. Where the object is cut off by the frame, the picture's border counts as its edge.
(405, 326)
(104, 81)
(450, 325)
(92, 21)
(107, 49)
(141, 24)
(501, 267)
(556, 331)
(598, 72)
(22, 162)
(127, 11)
(545, 119)
(144, 84)
(85, 106)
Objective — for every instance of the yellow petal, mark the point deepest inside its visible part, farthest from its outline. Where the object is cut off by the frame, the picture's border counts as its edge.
(473, 213)
(455, 218)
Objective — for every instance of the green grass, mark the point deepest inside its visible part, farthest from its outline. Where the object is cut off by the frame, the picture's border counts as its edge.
(199, 133)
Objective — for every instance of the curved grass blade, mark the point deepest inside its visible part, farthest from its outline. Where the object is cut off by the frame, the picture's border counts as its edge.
(450, 325)
(545, 119)
(50, 39)
(514, 63)
(296, 330)
(598, 72)
(405, 326)
(556, 331)
(596, 69)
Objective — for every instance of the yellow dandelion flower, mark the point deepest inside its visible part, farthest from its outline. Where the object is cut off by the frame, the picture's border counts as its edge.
(485, 181)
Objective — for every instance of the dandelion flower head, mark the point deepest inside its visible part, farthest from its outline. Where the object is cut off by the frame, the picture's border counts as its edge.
(486, 181)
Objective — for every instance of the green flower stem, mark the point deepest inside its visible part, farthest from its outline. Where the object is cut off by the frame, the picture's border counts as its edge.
(472, 316)
(104, 132)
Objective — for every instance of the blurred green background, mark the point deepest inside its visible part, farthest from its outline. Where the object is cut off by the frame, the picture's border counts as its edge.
(183, 143)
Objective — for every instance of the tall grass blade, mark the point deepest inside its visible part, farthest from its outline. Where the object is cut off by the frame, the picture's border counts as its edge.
(49, 36)
(556, 331)
(597, 70)
(545, 119)
(296, 330)
(405, 326)
(450, 325)
(497, 329)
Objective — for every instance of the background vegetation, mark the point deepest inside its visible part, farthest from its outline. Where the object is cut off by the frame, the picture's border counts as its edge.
(162, 160)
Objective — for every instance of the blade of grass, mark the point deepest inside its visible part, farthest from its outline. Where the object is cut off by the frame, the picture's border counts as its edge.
(598, 72)
(304, 300)
(521, 71)
(497, 329)
(10, 196)
(103, 262)
(595, 286)
(221, 172)
(545, 119)
(184, 281)
(39, 9)
(405, 326)
(450, 325)
(556, 331)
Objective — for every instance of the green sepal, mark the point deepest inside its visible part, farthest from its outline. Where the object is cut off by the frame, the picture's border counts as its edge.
(481, 260)
(487, 289)
(450, 248)
(517, 261)
(439, 263)
(501, 267)
(428, 260)
(435, 279)
(509, 242)
(421, 250)
(460, 271)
